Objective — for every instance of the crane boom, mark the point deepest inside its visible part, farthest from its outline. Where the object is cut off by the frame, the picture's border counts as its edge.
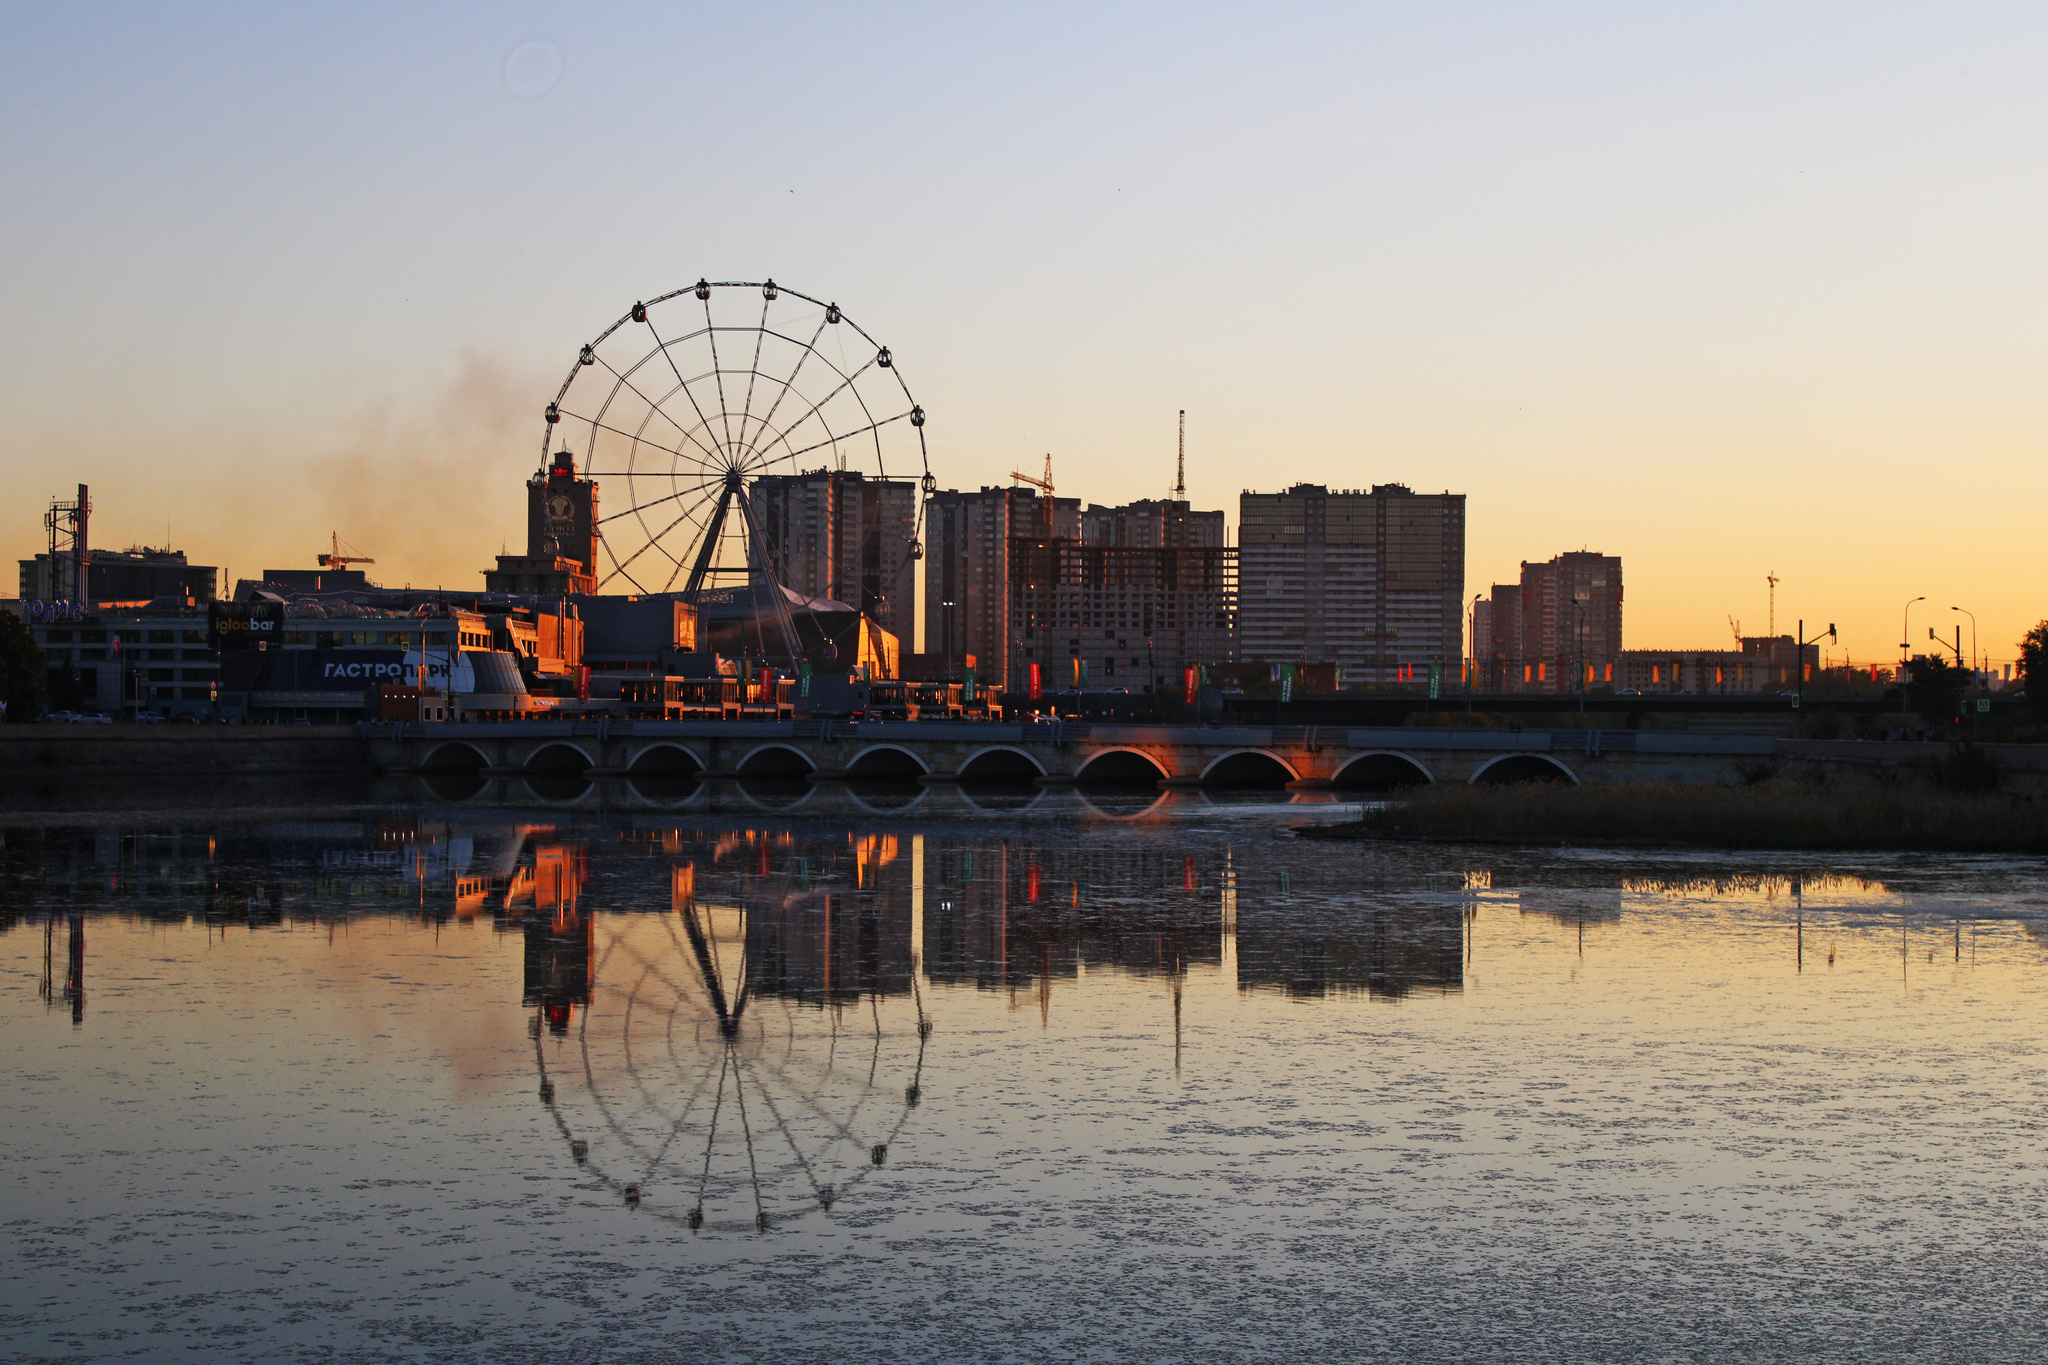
(338, 560)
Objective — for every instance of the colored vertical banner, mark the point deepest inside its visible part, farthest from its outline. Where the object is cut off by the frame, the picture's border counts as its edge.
(1080, 672)
(1032, 689)
(767, 685)
(1189, 686)
(803, 678)
(583, 682)
(1287, 682)
(967, 691)
(1436, 680)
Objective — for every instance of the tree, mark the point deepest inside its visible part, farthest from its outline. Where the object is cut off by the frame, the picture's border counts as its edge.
(2034, 669)
(24, 676)
(1938, 687)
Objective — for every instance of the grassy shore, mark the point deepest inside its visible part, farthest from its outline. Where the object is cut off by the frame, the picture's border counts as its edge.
(1766, 816)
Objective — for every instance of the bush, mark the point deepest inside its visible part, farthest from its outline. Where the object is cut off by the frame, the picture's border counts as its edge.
(24, 673)
(1770, 815)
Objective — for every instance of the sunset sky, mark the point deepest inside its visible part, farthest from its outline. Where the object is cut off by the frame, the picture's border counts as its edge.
(1725, 290)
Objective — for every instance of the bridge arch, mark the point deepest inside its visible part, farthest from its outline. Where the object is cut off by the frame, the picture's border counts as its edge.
(887, 761)
(665, 759)
(1000, 763)
(776, 761)
(456, 757)
(1382, 769)
(1121, 768)
(1249, 768)
(558, 756)
(1522, 768)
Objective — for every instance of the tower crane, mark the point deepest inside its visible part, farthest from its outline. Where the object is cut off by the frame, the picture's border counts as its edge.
(338, 560)
(1180, 466)
(1043, 485)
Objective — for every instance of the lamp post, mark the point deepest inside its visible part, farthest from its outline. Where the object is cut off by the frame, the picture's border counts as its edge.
(1906, 644)
(1799, 663)
(1974, 662)
(1579, 643)
(1472, 634)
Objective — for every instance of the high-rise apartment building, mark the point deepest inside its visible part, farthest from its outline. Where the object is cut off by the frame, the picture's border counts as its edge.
(1560, 625)
(967, 568)
(1103, 613)
(1152, 522)
(842, 535)
(1116, 596)
(1373, 580)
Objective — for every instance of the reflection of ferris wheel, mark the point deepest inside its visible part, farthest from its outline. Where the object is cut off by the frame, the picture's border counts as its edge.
(699, 1098)
(682, 404)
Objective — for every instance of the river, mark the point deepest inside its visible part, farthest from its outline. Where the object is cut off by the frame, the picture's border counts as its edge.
(1093, 1080)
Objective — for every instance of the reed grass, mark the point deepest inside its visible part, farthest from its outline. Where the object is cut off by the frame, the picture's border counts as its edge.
(1770, 815)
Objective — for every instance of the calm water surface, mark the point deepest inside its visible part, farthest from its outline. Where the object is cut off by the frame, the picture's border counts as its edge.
(1054, 1081)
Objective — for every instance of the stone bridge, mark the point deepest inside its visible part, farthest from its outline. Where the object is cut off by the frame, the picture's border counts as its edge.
(1061, 754)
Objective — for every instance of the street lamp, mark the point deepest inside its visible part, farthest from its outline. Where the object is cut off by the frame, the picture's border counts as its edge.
(1974, 661)
(1799, 663)
(1906, 644)
(1472, 633)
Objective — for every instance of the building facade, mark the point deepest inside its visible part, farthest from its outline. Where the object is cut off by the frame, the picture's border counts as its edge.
(967, 568)
(841, 535)
(134, 575)
(1373, 580)
(1107, 616)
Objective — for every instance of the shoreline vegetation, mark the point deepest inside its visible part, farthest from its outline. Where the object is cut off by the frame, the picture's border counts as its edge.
(1770, 815)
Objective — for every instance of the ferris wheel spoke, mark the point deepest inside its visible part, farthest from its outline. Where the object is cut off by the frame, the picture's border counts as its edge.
(787, 1136)
(754, 369)
(629, 436)
(789, 385)
(682, 383)
(843, 436)
(704, 488)
(651, 544)
(717, 374)
(656, 406)
(845, 383)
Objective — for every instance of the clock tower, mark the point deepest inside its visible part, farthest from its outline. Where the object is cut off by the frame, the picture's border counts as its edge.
(561, 514)
(562, 537)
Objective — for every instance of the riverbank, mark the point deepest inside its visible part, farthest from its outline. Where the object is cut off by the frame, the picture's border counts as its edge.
(1771, 815)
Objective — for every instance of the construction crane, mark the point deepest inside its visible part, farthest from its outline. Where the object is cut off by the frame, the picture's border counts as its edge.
(1043, 485)
(1180, 466)
(338, 560)
(1736, 626)
(1772, 579)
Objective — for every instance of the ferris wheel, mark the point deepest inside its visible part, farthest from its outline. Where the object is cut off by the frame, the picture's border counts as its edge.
(687, 400)
(701, 1098)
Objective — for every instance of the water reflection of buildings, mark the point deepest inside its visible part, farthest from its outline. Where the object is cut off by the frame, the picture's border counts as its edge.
(558, 931)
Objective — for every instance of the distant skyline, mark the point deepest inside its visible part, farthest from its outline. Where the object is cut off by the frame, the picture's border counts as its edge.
(1724, 291)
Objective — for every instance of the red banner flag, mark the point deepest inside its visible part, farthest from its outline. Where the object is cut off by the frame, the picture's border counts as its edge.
(1034, 693)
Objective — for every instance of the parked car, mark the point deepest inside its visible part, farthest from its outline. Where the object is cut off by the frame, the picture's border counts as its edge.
(60, 717)
(148, 718)
(95, 718)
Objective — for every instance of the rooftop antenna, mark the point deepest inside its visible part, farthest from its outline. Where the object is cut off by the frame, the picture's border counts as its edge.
(1180, 469)
(1772, 579)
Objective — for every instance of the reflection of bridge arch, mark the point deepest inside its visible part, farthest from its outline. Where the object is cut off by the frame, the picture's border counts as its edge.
(1121, 767)
(1249, 768)
(1523, 768)
(665, 759)
(1000, 763)
(776, 761)
(1382, 769)
(886, 761)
